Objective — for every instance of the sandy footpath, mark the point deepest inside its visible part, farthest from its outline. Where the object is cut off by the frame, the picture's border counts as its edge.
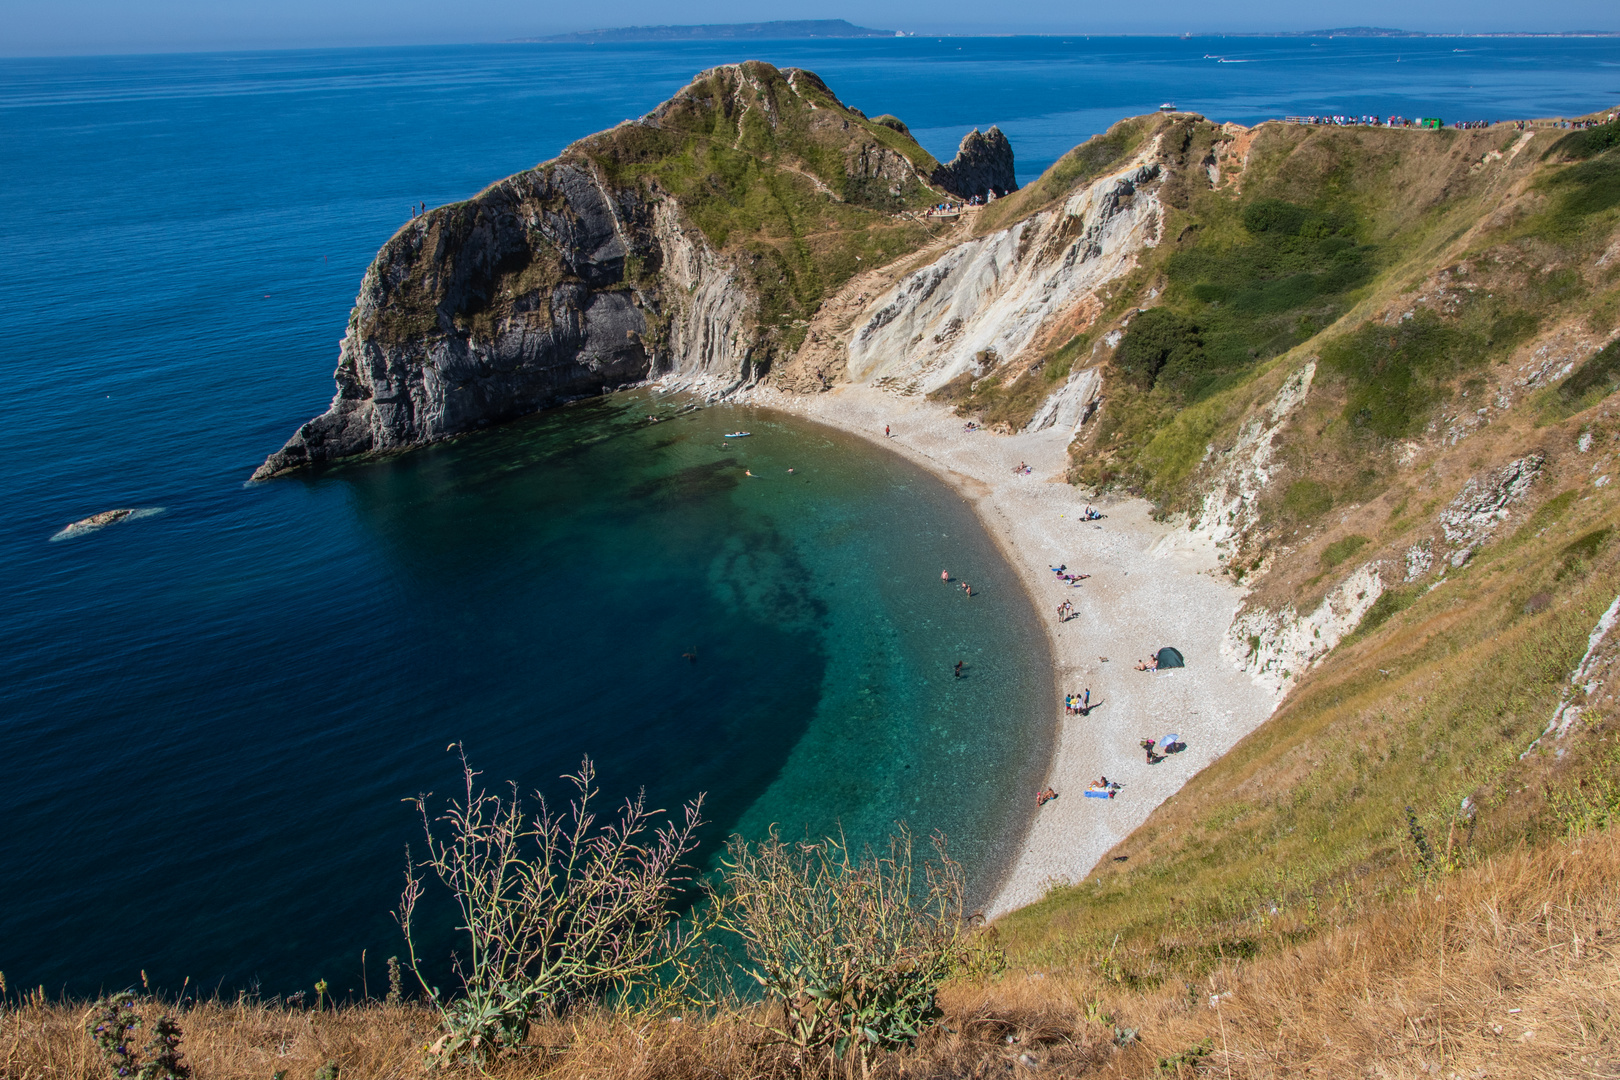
(1150, 586)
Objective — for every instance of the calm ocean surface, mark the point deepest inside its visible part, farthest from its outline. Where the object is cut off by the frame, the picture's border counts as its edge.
(208, 717)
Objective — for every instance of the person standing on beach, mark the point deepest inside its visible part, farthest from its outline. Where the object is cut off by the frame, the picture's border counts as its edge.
(885, 431)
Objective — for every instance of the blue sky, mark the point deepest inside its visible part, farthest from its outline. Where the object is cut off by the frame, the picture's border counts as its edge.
(95, 26)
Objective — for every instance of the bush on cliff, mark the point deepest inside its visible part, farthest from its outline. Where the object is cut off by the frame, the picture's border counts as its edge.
(1159, 341)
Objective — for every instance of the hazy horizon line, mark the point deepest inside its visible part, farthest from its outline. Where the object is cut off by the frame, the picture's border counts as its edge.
(535, 40)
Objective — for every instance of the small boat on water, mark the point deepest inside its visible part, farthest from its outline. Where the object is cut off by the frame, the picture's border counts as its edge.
(739, 435)
(1168, 106)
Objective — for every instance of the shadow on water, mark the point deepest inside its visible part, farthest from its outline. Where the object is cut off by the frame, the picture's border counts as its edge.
(570, 555)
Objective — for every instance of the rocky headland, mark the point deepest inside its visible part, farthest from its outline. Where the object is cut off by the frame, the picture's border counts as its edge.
(692, 242)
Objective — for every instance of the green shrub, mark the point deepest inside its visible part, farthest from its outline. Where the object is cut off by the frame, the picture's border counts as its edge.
(1340, 550)
(1578, 554)
(114, 1026)
(1158, 341)
(1510, 328)
(1578, 145)
(1389, 603)
(556, 908)
(850, 951)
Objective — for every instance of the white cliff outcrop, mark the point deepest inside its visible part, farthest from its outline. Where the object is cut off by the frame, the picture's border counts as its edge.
(995, 294)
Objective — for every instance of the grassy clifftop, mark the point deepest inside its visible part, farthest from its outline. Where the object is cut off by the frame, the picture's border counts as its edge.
(779, 173)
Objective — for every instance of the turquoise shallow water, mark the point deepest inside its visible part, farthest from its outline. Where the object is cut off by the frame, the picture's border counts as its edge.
(208, 716)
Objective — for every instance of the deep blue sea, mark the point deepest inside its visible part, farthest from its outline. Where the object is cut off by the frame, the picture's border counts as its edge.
(209, 717)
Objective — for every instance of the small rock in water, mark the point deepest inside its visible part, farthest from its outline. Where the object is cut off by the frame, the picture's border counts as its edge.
(103, 519)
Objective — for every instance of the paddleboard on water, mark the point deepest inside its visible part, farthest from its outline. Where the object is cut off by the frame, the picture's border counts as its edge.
(739, 435)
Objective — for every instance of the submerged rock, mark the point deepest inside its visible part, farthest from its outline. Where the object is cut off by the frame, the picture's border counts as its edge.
(103, 519)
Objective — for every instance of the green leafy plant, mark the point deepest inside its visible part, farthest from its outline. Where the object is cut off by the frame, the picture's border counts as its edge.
(850, 951)
(556, 908)
(115, 1025)
(1191, 1057)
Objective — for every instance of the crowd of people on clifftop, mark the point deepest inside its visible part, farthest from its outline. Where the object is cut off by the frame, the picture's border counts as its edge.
(1459, 125)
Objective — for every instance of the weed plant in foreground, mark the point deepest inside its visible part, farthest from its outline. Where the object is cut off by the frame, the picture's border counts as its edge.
(1504, 968)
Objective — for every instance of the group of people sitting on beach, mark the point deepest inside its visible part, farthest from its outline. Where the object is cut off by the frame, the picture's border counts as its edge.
(1100, 788)
(1022, 469)
(1077, 704)
(1103, 788)
(1150, 664)
(970, 426)
(1170, 744)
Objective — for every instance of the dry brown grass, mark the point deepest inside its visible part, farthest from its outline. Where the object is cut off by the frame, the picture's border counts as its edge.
(1508, 969)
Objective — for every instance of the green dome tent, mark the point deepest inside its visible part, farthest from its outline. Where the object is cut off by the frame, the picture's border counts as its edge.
(1169, 657)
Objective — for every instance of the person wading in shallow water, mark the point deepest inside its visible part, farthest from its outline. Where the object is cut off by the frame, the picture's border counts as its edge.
(958, 669)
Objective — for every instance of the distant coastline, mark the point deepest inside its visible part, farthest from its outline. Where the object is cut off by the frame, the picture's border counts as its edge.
(1387, 32)
(801, 29)
(780, 30)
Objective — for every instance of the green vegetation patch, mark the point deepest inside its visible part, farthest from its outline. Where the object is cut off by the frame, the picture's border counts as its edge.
(998, 398)
(1578, 145)
(1265, 278)
(1304, 500)
(1592, 381)
(1396, 374)
(1159, 341)
(1579, 192)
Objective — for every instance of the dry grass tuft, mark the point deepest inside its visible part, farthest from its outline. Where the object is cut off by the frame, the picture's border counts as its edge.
(1507, 969)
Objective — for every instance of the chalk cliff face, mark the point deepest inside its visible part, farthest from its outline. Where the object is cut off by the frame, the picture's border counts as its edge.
(676, 243)
(475, 313)
(999, 294)
(983, 166)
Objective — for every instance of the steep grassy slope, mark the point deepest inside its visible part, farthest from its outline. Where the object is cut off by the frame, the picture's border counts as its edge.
(1319, 241)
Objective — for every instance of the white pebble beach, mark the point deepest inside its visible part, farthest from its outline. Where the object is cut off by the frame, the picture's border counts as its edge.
(1151, 585)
